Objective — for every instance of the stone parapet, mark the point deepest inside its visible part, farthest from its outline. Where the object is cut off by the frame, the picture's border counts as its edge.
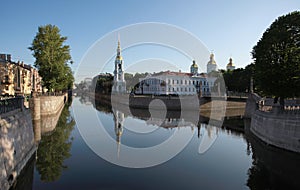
(278, 129)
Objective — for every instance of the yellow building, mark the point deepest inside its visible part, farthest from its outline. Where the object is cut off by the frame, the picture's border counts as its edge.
(17, 78)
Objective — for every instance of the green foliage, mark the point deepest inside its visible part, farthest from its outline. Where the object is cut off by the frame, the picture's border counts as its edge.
(103, 84)
(133, 80)
(55, 148)
(51, 58)
(238, 80)
(277, 58)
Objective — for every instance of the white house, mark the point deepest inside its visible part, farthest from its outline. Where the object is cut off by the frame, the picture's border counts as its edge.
(176, 83)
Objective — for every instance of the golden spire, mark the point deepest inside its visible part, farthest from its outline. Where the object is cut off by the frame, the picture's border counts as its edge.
(119, 48)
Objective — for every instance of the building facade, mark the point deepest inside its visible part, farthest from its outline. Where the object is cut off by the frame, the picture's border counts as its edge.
(176, 83)
(17, 78)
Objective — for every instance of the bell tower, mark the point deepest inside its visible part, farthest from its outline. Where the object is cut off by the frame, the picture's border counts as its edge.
(119, 81)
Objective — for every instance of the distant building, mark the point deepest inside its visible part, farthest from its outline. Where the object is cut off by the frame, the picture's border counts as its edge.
(18, 78)
(119, 80)
(176, 83)
(211, 65)
(230, 66)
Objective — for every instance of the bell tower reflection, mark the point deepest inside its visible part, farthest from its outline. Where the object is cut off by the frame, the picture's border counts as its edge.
(119, 123)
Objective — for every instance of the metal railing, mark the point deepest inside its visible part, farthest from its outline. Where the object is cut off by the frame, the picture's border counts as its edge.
(10, 104)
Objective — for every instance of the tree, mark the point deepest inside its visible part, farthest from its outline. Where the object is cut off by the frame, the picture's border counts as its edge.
(277, 58)
(52, 57)
(239, 79)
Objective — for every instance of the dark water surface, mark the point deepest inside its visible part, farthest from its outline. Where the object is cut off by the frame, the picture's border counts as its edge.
(235, 160)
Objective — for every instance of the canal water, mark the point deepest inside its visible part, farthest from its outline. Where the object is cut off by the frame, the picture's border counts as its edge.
(68, 157)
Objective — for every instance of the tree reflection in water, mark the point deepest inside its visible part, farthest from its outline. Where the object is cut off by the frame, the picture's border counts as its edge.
(55, 148)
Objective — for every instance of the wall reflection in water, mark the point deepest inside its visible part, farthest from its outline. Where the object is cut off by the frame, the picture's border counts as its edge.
(55, 147)
(25, 179)
(272, 168)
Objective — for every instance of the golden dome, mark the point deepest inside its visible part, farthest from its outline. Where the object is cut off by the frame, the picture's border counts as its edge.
(230, 62)
(212, 59)
(194, 64)
(119, 57)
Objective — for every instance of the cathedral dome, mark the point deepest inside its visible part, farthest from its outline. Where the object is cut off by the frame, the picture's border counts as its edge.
(194, 67)
(194, 64)
(212, 60)
(230, 62)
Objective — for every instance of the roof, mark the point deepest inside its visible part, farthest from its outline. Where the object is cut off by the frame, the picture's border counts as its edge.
(172, 73)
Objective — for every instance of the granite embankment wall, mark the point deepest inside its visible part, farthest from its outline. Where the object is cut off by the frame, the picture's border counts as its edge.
(20, 131)
(278, 129)
(45, 113)
(17, 144)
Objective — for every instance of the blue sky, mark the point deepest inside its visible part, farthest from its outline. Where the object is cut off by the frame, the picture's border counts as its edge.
(229, 28)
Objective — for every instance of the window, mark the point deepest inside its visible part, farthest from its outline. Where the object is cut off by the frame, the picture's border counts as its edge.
(169, 81)
(181, 81)
(185, 81)
(193, 82)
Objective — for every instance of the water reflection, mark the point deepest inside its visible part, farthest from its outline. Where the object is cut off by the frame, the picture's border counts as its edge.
(272, 168)
(235, 161)
(169, 120)
(25, 178)
(54, 148)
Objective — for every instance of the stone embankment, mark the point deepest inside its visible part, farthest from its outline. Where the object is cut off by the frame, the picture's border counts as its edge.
(17, 144)
(20, 132)
(273, 125)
